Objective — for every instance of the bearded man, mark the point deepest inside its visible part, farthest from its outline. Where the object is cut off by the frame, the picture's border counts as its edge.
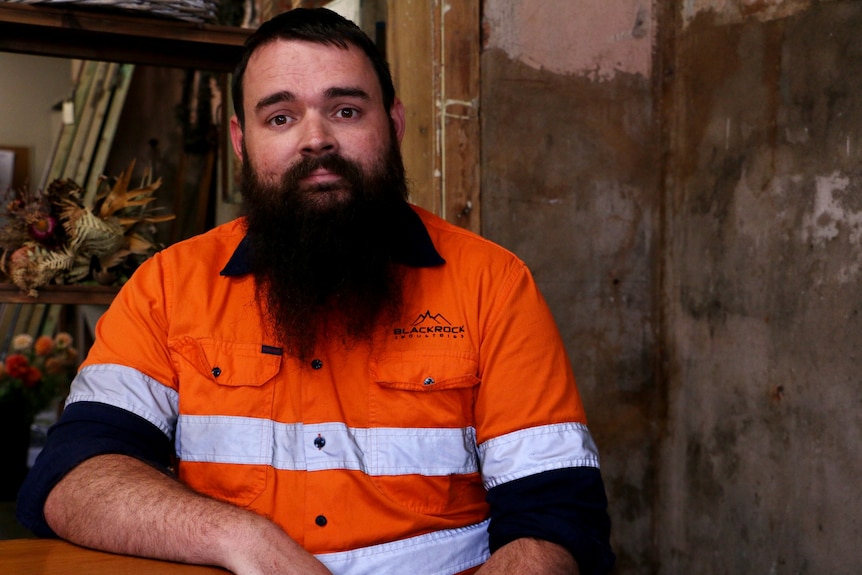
(338, 382)
(326, 250)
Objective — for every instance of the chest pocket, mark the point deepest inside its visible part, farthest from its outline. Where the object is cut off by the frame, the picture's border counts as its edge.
(224, 436)
(224, 377)
(423, 389)
(430, 397)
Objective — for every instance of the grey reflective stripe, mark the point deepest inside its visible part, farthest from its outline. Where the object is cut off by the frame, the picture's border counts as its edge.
(438, 553)
(127, 389)
(315, 447)
(536, 449)
(374, 451)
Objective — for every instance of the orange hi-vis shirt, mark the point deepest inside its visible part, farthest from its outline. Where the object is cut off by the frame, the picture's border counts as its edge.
(375, 453)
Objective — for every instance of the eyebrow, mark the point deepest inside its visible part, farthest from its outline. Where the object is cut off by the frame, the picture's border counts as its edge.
(276, 98)
(338, 92)
(329, 94)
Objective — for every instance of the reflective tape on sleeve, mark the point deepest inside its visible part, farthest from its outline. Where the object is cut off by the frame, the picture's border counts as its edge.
(535, 450)
(128, 389)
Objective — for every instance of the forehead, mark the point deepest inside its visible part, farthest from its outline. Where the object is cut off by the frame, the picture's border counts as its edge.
(307, 68)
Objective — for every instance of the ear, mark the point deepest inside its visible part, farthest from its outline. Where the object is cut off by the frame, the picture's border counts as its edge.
(236, 136)
(398, 119)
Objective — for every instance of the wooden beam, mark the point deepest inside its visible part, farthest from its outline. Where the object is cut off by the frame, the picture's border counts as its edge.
(410, 41)
(458, 113)
(433, 48)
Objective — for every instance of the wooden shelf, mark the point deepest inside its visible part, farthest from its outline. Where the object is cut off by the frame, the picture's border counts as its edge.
(91, 34)
(103, 34)
(60, 294)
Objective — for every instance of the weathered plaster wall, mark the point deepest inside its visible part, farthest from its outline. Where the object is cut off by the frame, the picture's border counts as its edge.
(684, 180)
(592, 38)
(761, 469)
(569, 183)
(735, 11)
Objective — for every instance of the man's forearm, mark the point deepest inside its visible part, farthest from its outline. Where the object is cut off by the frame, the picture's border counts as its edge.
(120, 504)
(530, 557)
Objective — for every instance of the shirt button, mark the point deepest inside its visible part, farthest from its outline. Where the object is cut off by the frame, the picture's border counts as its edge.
(316, 364)
(319, 441)
(428, 381)
(320, 520)
(216, 371)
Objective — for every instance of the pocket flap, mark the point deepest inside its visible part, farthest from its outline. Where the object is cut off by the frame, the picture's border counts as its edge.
(230, 363)
(425, 371)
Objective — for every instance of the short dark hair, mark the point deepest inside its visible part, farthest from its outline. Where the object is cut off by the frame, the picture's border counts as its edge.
(318, 25)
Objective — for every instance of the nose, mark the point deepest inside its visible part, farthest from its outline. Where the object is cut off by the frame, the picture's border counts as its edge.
(317, 137)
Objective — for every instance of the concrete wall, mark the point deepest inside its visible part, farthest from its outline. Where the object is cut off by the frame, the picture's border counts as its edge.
(684, 178)
(763, 268)
(569, 183)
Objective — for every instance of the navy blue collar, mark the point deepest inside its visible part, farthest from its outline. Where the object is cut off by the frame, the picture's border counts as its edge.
(413, 246)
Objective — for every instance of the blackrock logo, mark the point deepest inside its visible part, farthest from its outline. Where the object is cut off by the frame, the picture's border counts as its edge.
(429, 325)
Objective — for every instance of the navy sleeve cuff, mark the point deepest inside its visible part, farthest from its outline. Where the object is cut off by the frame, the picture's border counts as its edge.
(85, 430)
(566, 506)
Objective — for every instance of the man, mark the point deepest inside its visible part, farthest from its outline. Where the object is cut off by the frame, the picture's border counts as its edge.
(336, 383)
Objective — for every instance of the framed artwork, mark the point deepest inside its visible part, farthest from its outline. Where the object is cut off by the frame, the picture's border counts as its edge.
(14, 168)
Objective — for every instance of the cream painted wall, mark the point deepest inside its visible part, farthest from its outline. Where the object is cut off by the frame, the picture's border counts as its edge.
(29, 88)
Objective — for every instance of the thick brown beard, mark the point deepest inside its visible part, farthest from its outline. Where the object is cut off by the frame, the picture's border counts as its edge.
(324, 269)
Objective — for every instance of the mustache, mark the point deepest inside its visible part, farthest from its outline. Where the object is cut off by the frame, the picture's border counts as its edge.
(332, 162)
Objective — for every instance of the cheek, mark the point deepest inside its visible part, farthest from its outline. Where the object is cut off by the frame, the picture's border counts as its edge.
(366, 151)
(267, 152)
(269, 167)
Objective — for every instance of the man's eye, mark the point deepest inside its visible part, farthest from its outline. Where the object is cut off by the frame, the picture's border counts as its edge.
(347, 113)
(279, 120)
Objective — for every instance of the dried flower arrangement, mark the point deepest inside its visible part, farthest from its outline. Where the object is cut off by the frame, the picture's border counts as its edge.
(51, 237)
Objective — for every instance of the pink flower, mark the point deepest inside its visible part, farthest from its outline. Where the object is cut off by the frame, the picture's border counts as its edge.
(19, 260)
(43, 228)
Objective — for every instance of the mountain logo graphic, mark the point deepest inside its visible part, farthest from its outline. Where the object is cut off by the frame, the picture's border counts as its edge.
(428, 325)
(436, 317)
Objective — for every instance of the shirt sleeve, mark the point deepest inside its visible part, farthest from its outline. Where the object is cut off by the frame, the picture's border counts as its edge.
(85, 430)
(567, 507)
(539, 462)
